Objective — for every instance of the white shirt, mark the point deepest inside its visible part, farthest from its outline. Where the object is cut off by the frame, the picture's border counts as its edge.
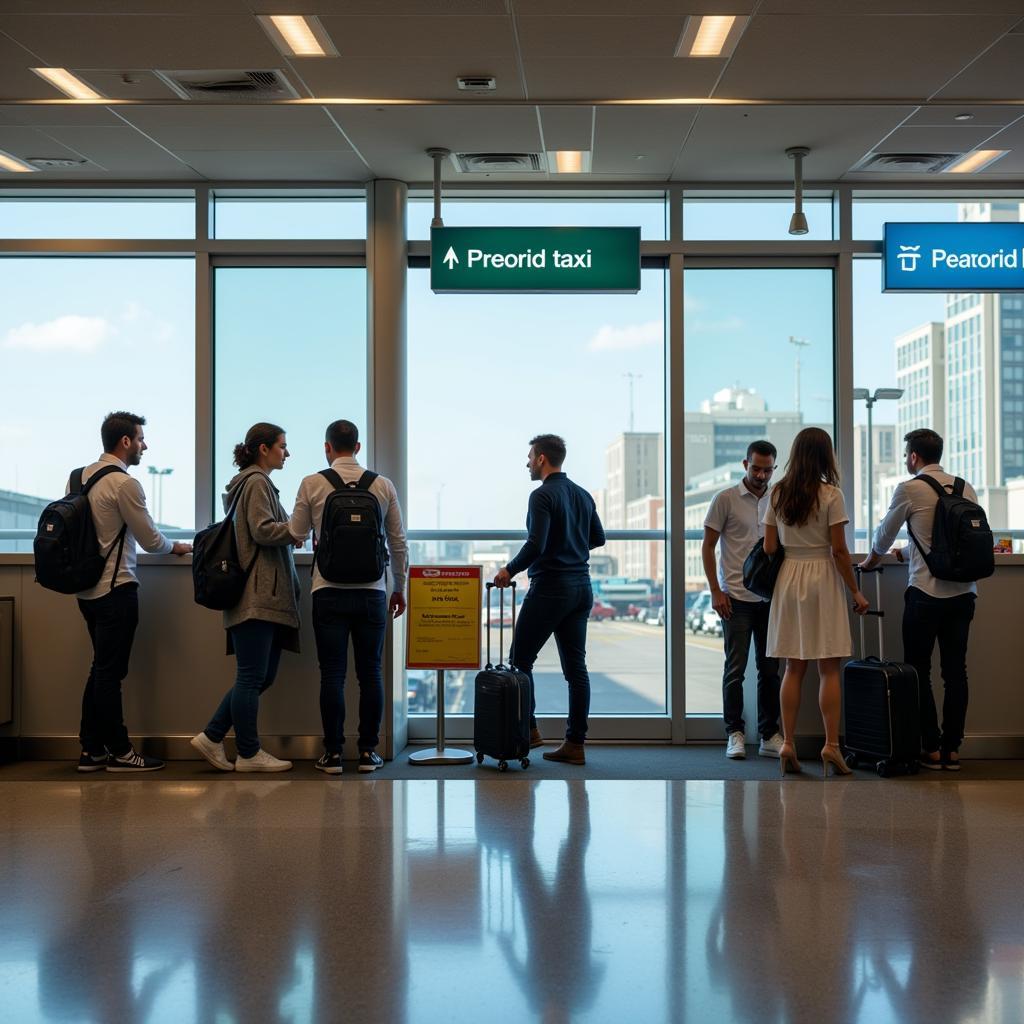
(914, 502)
(309, 513)
(813, 540)
(736, 515)
(118, 500)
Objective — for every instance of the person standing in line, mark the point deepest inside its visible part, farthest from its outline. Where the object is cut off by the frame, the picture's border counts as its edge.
(117, 503)
(734, 522)
(808, 620)
(359, 610)
(563, 528)
(934, 609)
(266, 619)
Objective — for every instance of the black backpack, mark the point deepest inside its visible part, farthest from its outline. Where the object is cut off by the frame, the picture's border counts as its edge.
(218, 579)
(67, 553)
(962, 543)
(351, 547)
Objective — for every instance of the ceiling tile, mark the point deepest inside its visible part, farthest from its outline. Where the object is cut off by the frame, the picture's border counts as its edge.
(966, 8)
(408, 77)
(995, 75)
(933, 140)
(654, 134)
(16, 81)
(421, 36)
(252, 117)
(623, 36)
(805, 57)
(982, 115)
(122, 151)
(593, 78)
(148, 41)
(567, 127)
(380, 8)
(277, 165)
(43, 116)
(28, 142)
(641, 8)
(749, 143)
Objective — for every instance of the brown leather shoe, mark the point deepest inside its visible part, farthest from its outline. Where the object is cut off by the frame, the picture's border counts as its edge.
(570, 753)
(536, 740)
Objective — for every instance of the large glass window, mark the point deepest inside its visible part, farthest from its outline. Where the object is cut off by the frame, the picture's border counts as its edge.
(758, 364)
(958, 360)
(83, 337)
(296, 216)
(100, 217)
(290, 349)
(728, 218)
(486, 373)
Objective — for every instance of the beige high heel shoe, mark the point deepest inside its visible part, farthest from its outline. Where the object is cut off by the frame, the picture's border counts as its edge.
(788, 761)
(831, 756)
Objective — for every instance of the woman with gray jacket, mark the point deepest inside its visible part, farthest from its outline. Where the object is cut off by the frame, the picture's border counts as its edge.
(266, 620)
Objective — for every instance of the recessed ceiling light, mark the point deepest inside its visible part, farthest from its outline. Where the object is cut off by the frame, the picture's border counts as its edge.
(298, 35)
(963, 117)
(569, 161)
(710, 35)
(69, 84)
(975, 161)
(13, 164)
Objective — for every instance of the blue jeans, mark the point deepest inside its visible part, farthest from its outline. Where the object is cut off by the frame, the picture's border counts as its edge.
(361, 615)
(561, 608)
(257, 651)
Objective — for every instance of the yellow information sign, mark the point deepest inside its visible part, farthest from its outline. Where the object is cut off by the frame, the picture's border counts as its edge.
(443, 617)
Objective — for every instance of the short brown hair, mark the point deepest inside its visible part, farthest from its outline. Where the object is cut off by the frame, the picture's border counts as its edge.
(118, 425)
(551, 446)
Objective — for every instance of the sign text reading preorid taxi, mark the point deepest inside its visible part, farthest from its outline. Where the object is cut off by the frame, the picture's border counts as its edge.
(535, 259)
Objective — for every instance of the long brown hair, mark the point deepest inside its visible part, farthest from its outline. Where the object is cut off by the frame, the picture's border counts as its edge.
(812, 462)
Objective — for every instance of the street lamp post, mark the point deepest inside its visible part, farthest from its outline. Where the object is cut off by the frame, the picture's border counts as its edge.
(158, 489)
(880, 395)
(798, 343)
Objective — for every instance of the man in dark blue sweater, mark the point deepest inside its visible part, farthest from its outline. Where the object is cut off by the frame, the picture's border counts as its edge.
(563, 528)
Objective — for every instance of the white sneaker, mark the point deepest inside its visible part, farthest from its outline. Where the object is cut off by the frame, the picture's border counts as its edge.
(213, 752)
(771, 747)
(737, 748)
(261, 761)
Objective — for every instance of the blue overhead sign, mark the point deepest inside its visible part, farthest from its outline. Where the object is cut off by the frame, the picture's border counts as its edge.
(957, 257)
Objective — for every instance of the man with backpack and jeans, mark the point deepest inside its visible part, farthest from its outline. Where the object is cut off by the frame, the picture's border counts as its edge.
(357, 530)
(117, 503)
(951, 546)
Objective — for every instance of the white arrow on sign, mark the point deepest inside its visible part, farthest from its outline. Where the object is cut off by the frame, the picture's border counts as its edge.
(450, 258)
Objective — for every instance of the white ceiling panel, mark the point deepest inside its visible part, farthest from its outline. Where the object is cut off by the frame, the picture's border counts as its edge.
(29, 142)
(567, 127)
(380, 8)
(998, 74)
(593, 78)
(849, 57)
(276, 164)
(150, 41)
(122, 151)
(933, 140)
(967, 8)
(408, 77)
(239, 138)
(16, 81)
(253, 117)
(49, 8)
(640, 8)
(738, 143)
(635, 140)
(997, 117)
(623, 36)
(126, 85)
(1011, 139)
(58, 114)
(421, 36)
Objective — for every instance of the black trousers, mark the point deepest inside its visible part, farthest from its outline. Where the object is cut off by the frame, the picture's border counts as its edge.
(111, 621)
(948, 620)
(749, 619)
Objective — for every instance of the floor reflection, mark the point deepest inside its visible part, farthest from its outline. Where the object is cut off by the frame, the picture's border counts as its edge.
(376, 901)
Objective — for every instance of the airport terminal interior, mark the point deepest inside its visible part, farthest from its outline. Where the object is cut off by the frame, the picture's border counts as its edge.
(661, 230)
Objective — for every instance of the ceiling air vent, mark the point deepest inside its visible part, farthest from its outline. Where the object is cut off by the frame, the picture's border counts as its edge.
(229, 86)
(905, 163)
(499, 163)
(50, 163)
(476, 83)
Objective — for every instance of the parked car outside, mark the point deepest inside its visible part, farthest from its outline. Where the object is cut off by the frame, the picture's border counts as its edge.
(656, 616)
(638, 611)
(695, 616)
(602, 611)
(711, 624)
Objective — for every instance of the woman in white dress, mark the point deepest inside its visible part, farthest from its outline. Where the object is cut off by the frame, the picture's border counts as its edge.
(808, 620)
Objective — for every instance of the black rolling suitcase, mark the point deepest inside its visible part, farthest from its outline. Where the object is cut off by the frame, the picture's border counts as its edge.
(501, 709)
(881, 708)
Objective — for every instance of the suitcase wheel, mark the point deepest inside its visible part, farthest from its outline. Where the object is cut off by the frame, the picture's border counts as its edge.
(852, 760)
(884, 769)
(479, 758)
(503, 766)
(524, 763)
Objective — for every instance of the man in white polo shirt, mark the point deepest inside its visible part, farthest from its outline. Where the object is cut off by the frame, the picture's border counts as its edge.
(934, 609)
(733, 523)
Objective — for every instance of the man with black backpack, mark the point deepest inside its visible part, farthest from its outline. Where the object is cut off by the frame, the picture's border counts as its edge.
(951, 548)
(357, 535)
(110, 606)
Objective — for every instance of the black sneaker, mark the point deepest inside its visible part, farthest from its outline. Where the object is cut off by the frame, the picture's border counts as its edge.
(950, 763)
(932, 766)
(92, 762)
(132, 762)
(370, 761)
(329, 763)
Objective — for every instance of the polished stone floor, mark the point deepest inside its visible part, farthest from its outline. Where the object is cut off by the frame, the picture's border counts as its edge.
(377, 901)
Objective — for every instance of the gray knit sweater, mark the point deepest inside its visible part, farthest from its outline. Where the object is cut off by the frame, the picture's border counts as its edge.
(261, 529)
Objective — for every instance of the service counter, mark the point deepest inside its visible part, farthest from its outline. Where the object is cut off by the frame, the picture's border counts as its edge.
(179, 669)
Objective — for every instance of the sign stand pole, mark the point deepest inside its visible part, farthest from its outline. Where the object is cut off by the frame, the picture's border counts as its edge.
(437, 754)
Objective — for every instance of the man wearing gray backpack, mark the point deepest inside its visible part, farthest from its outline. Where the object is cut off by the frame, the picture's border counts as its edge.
(951, 548)
(358, 537)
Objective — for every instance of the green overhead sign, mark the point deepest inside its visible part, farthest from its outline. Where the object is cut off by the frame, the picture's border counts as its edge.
(535, 259)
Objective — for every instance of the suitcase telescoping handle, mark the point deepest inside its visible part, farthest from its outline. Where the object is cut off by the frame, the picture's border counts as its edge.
(876, 612)
(501, 624)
